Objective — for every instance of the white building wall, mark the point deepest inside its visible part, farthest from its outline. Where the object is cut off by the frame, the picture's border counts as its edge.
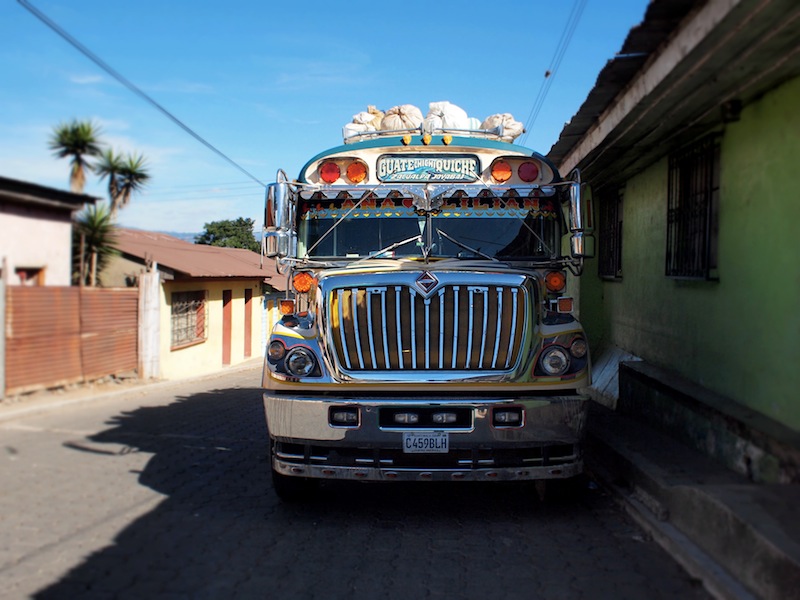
(30, 239)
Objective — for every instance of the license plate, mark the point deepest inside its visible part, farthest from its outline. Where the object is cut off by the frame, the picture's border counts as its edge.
(426, 442)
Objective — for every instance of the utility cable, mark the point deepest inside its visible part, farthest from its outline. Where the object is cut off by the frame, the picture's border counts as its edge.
(550, 74)
(133, 88)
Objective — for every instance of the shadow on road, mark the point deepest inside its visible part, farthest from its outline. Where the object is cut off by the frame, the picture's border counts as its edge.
(221, 532)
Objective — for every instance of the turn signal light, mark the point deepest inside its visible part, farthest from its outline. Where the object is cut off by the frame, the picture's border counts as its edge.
(356, 172)
(565, 305)
(555, 281)
(501, 171)
(303, 281)
(286, 307)
(329, 172)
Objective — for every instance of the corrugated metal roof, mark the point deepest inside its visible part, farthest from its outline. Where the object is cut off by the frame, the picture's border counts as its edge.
(687, 69)
(195, 260)
(660, 21)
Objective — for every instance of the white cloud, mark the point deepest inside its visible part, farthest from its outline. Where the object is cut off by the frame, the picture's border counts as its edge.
(85, 79)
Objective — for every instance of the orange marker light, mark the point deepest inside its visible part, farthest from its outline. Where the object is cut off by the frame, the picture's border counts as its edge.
(555, 281)
(356, 172)
(287, 307)
(303, 281)
(329, 172)
(565, 304)
(501, 171)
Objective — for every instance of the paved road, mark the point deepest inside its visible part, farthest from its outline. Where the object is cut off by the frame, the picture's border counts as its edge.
(163, 492)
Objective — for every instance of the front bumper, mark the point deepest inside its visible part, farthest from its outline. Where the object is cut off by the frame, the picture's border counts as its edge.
(546, 444)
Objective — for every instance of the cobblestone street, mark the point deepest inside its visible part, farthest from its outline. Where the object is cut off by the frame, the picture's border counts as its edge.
(164, 492)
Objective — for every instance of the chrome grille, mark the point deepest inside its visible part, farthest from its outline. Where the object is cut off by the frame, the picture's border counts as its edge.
(456, 327)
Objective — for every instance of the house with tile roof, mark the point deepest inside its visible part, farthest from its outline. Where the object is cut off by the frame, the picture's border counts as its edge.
(202, 307)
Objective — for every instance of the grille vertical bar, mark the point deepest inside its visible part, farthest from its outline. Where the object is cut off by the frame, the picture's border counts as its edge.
(512, 337)
(341, 320)
(354, 308)
(498, 325)
(398, 326)
(456, 328)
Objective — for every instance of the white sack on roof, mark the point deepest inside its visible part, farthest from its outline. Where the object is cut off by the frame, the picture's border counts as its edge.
(406, 116)
(512, 129)
(377, 116)
(444, 115)
(364, 118)
(352, 129)
(362, 122)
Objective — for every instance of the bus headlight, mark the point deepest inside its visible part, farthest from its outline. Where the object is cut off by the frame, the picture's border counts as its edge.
(554, 361)
(300, 362)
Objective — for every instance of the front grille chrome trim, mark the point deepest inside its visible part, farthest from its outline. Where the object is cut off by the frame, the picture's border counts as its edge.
(393, 327)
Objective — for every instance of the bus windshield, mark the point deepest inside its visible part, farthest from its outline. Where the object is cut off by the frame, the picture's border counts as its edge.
(526, 230)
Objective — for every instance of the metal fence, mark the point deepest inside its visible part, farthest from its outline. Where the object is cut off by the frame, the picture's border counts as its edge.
(55, 336)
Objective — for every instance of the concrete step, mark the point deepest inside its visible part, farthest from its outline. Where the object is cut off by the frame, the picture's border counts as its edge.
(742, 539)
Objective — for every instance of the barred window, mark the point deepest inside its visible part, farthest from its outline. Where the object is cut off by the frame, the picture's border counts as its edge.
(610, 255)
(692, 212)
(188, 318)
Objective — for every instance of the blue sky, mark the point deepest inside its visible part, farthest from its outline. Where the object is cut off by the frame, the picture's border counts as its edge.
(272, 84)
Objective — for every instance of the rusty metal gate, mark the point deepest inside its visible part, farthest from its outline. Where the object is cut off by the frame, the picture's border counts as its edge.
(61, 335)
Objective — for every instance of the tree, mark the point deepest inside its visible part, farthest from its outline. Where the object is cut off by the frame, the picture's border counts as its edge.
(126, 175)
(78, 140)
(229, 234)
(94, 242)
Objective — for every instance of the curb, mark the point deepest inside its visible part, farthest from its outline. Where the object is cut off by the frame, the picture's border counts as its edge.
(736, 536)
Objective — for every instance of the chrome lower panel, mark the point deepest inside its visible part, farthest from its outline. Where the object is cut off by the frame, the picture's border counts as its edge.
(389, 474)
(546, 419)
(547, 443)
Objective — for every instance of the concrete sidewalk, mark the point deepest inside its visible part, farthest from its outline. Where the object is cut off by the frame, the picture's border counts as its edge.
(742, 539)
(45, 400)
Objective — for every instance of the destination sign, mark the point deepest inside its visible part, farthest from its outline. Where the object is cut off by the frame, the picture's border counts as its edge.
(411, 168)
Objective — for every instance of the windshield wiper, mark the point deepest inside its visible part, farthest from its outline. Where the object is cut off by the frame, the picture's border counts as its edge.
(465, 247)
(389, 248)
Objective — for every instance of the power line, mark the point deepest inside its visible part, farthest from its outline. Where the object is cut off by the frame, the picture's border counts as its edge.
(133, 88)
(178, 190)
(159, 195)
(550, 74)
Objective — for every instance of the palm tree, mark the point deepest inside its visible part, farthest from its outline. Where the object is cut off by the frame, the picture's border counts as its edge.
(94, 242)
(109, 165)
(126, 175)
(132, 178)
(78, 139)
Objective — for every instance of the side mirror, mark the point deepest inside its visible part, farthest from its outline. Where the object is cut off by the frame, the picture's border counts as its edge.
(582, 245)
(278, 210)
(278, 217)
(581, 223)
(278, 242)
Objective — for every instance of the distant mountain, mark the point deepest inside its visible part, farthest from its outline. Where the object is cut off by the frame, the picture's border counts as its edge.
(186, 237)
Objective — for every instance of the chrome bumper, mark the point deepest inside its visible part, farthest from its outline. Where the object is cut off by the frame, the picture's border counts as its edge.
(547, 443)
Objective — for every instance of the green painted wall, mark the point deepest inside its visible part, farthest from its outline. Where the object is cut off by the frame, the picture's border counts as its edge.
(739, 336)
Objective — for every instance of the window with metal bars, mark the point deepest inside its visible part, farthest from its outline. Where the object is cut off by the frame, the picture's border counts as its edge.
(692, 212)
(188, 318)
(610, 255)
